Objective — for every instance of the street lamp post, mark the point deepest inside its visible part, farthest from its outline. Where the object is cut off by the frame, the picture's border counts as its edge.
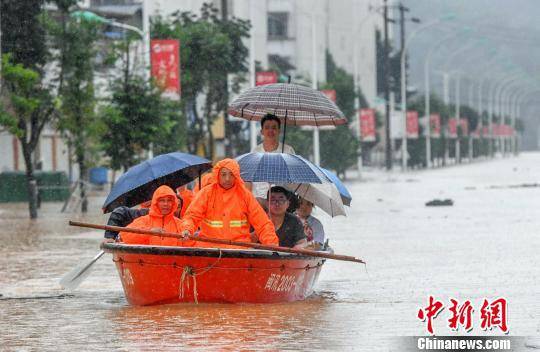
(316, 152)
(404, 86)
(252, 73)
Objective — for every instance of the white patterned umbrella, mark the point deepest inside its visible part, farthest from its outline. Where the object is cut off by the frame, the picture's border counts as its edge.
(326, 196)
(293, 104)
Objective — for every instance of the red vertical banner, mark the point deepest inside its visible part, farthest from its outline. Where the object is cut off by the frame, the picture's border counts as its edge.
(265, 77)
(496, 130)
(412, 124)
(367, 125)
(452, 127)
(165, 58)
(464, 125)
(330, 94)
(476, 133)
(435, 125)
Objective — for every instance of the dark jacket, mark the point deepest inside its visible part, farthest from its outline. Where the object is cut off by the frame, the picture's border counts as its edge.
(123, 216)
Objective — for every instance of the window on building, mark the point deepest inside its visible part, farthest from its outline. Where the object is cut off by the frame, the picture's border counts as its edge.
(278, 25)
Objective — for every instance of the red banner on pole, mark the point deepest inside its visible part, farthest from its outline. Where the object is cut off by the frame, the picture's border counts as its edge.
(495, 129)
(165, 58)
(435, 125)
(452, 127)
(485, 131)
(330, 94)
(265, 77)
(367, 125)
(476, 133)
(412, 124)
(464, 125)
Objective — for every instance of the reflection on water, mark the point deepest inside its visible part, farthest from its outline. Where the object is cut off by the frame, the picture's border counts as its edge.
(486, 245)
(225, 327)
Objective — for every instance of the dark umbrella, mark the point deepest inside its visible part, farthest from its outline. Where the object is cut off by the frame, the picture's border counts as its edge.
(279, 168)
(293, 104)
(138, 184)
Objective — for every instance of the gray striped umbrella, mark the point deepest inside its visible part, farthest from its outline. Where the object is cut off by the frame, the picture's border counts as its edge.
(295, 104)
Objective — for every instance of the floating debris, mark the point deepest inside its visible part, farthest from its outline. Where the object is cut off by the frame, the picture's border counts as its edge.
(440, 203)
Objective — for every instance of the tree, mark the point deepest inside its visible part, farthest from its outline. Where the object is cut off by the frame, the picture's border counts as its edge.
(26, 104)
(75, 42)
(212, 50)
(340, 147)
(26, 108)
(137, 117)
(23, 32)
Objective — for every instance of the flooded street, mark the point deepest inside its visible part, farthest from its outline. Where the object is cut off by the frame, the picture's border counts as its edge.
(485, 245)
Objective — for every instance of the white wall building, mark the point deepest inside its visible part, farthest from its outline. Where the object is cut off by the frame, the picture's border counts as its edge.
(284, 28)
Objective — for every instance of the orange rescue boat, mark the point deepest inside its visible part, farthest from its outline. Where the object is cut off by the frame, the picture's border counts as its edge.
(154, 275)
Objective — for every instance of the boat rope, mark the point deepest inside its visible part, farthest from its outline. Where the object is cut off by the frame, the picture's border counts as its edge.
(193, 273)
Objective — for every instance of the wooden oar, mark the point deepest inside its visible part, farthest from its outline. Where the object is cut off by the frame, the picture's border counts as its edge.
(220, 241)
(73, 279)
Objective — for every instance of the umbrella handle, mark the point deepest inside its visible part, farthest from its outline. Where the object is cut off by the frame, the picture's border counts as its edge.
(284, 130)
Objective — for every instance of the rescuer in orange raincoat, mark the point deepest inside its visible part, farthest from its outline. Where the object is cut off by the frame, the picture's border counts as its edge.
(160, 218)
(186, 195)
(225, 209)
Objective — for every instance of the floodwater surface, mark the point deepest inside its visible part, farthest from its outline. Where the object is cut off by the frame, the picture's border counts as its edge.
(484, 246)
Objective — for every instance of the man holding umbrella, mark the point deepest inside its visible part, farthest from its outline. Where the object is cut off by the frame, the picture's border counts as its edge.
(270, 131)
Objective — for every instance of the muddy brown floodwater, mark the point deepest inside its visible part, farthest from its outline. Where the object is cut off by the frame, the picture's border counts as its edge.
(484, 246)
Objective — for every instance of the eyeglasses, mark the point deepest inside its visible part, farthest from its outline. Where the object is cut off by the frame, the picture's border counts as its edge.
(278, 201)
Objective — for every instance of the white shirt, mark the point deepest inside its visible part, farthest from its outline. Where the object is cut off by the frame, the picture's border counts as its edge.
(260, 189)
(288, 149)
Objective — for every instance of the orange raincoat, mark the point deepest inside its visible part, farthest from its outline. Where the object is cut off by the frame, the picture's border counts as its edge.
(169, 223)
(227, 213)
(187, 198)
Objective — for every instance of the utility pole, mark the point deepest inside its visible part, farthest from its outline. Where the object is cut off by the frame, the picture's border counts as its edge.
(402, 10)
(226, 125)
(386, 78)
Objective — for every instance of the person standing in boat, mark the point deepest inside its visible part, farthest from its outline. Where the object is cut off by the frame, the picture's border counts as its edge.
(289, 228)
(160, 218)
(313, 228)
(270, 131)
(225, 209)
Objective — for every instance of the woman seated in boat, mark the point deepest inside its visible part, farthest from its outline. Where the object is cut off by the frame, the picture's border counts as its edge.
(123, 216)
(225, 209)
(160, 218)
(313, 228)
(289, 228)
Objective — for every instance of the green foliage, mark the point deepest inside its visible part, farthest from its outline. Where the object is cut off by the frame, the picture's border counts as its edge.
(76, 44)
(136, 117)
(26, 106)
(339, 147)
(23, 32)
(211, 50)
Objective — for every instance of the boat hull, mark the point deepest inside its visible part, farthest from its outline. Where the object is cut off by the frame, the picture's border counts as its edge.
(153, 275)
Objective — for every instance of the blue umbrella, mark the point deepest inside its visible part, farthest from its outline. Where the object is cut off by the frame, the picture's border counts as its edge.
(138, 184)
(279, 168)
(346, 197)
